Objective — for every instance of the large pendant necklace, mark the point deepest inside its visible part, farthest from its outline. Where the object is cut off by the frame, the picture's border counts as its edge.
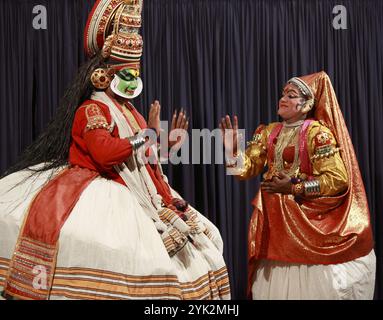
(289, 136)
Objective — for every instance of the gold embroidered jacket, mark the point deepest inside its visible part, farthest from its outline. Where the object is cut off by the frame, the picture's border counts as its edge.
(327, 164)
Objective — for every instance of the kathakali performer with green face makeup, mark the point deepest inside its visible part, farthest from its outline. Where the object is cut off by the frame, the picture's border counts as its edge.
(81, 216)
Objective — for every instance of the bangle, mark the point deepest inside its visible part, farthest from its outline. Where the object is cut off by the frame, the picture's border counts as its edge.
(308, 188)
(298, 189)
(137, 142)
(295, 180)
(312, 188)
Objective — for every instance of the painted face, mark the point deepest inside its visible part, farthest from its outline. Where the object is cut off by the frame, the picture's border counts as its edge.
(128, 81)
(291, 103)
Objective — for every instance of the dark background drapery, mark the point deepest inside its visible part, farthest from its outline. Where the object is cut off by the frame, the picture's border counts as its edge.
(211, 57)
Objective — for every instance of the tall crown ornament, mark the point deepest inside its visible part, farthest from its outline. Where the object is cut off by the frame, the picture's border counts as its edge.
(113, 30)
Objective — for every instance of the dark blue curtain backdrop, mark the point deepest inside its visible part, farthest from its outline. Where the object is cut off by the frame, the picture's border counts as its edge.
(211, 57)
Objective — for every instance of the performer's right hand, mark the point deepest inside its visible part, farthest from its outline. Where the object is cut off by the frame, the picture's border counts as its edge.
(230, 141)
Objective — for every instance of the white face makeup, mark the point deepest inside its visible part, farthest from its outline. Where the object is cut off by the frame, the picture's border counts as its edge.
(291, 103)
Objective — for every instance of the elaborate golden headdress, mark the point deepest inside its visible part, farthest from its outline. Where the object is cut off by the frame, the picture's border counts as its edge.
(113, 27)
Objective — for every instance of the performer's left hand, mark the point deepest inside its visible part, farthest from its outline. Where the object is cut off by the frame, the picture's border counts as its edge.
(154, 117)
(279, 184)
(180, 123)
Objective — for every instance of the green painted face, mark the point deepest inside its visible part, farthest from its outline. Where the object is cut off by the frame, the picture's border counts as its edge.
(128, 81)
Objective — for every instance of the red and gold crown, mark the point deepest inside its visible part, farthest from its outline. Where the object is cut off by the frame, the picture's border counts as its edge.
(113, 28)
(131, 14)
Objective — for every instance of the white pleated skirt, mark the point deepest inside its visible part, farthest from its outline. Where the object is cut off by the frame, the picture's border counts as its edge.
(110, 249)
(353, 280)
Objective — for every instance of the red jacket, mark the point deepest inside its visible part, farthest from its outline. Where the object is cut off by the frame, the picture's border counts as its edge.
(98, 147)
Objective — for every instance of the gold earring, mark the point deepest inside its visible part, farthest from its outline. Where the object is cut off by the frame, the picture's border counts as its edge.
(100, 79)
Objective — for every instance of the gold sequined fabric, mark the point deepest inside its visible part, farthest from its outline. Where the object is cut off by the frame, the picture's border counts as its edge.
(255, 156)
(329, 168)
(95, 118)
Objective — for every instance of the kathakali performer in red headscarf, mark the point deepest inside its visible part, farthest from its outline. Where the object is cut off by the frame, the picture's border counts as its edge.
(310, 235)
(82, 214)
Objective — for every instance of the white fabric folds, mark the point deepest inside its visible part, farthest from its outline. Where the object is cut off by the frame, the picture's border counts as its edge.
(353, 280)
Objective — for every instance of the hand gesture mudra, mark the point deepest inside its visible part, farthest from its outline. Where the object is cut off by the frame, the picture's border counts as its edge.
(180, 122)
(281, 183)
(230, 141)
(154, 117)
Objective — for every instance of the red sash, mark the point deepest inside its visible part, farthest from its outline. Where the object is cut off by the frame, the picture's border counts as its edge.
(33, 263)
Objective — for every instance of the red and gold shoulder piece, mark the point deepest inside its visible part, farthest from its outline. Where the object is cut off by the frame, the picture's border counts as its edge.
(324, 144)
(257, 136)
(323, 138)
(95, 118)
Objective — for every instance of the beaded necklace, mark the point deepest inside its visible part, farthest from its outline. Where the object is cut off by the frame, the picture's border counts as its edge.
(289, 136)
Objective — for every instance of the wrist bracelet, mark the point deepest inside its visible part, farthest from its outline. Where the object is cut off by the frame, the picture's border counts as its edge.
(137, 142)
(298, 189)
(307, 188)
(312, 188)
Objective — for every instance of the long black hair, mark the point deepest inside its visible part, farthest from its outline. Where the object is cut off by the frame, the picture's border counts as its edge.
(51, 148)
